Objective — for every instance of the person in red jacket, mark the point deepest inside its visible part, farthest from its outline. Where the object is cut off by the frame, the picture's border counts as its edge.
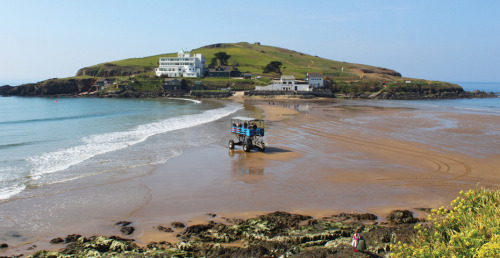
(355, 240)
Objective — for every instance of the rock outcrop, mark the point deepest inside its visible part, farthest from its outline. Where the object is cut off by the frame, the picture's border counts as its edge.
(49, 87)
(277, 234)
(451, 94)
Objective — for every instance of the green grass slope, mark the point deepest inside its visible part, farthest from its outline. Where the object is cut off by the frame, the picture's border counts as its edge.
(252, 58)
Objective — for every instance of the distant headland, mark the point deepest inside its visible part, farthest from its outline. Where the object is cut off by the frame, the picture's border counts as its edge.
(218, 70)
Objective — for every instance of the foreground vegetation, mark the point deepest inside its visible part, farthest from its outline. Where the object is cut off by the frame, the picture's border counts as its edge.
(470, 229)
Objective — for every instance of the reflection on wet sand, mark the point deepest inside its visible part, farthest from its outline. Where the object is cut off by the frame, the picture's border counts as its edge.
(241, 163)
(250, 166)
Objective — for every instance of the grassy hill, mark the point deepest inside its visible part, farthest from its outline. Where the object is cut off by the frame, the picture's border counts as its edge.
(252, 58)
(347, 79)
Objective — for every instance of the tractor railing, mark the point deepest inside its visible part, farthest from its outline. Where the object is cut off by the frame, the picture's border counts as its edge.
(247, 131)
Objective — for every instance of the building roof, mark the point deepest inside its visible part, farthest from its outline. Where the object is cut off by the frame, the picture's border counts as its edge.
(226, 69)
(314, 75)
(287, 77)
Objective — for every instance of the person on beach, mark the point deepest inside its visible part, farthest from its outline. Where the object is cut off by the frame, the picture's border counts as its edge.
(355, 240)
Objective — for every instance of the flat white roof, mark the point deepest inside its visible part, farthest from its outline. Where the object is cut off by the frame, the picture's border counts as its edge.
(287, 77)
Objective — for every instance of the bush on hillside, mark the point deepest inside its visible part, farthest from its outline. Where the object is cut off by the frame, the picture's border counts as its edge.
(355, 87)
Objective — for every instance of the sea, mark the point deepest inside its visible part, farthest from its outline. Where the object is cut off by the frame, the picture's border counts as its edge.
(46, 141)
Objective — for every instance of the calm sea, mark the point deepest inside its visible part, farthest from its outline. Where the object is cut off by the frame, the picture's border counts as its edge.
(45, 141)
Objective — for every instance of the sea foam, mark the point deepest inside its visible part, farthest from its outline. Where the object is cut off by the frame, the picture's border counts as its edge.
(11, 191)
(94, 145)
(192, 100)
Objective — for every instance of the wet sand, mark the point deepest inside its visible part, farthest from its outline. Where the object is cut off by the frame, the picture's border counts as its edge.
(323, 160)
(323, 157)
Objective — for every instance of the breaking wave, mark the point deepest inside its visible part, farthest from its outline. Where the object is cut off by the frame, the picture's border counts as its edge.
(94, 145)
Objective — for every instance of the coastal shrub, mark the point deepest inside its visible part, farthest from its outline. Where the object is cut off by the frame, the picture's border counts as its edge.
(357, 86)
(243, 85)
(470, 229)
(405, 87)
(428, 87)
(146, 85)
(344, 87)
(369, 86)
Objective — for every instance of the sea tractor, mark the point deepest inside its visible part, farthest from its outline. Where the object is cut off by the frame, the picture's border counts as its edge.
(248, 132)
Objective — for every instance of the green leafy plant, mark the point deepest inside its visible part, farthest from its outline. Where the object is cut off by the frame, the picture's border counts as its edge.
(470, 229)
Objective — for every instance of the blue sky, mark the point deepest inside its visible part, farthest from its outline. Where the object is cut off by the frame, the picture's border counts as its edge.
(437, 40)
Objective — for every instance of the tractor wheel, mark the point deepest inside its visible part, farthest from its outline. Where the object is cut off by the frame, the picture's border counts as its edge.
(231, 144)
(248, 146)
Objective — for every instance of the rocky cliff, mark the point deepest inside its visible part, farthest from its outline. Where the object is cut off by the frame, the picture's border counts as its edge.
(112, 70)
(49, 87)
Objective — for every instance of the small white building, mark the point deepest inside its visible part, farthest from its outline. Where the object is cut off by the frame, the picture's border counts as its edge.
(184, 65)
(285, 83)
(315, 79)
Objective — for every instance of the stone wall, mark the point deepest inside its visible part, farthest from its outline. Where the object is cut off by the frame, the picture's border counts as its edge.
(323, 94)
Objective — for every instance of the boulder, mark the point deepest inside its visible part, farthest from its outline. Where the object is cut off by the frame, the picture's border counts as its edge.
(164, 229)
(57, 240)
(71, 238)
(177, 224)
(196, 229)
(401, 217)
(127, 230)
(356, 216)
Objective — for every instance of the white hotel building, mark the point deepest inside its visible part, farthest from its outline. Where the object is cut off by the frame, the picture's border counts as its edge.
(184, 65)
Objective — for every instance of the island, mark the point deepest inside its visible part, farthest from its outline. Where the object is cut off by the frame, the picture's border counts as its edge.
(240, 67)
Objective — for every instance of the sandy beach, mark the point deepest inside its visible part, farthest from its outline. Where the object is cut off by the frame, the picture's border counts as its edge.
(324, 157)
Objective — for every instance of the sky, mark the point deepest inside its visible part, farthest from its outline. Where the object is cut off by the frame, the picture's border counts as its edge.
(437, 40)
